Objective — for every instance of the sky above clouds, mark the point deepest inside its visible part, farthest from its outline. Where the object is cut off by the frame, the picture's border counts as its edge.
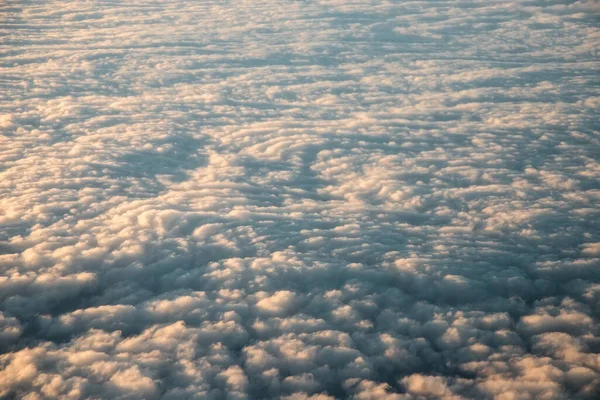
(300, 199)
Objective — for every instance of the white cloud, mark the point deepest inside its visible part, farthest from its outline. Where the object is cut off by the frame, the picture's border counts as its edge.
(340, 199)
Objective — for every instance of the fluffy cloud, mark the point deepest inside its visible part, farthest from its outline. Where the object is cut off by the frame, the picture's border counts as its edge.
(341, 199)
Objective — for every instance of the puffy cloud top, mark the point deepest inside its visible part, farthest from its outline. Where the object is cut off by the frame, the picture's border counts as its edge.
(316, 200)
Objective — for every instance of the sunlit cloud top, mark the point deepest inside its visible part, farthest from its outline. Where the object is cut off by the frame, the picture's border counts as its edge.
(300, 199)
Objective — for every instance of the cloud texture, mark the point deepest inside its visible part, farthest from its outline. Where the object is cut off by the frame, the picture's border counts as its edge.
(300, 199)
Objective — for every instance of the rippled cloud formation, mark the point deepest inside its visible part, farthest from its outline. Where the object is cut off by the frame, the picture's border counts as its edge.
(299, 199)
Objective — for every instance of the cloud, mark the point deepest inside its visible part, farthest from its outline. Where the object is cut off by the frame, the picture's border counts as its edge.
(341, 199)
(277, 304)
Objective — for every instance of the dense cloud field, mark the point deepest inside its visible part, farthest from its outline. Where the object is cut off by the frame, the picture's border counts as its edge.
(299, 199)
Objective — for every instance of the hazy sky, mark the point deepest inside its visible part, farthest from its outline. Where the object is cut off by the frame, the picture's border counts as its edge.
(300, 199)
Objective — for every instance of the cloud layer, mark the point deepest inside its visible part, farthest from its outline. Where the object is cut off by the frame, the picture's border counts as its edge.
(300, 199)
